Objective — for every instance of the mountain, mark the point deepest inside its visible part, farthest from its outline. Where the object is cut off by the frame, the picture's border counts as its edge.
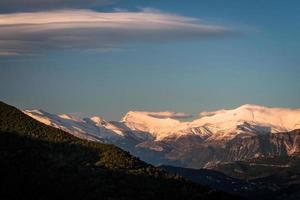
(277, 177)
(94, 128)
(42, 162)
(221, 136)
(215, 179)
(218, 125)
(259, 168)
(281, 178)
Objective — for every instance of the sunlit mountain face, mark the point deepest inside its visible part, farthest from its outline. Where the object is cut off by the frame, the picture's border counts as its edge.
(131, 99)
(247, 132)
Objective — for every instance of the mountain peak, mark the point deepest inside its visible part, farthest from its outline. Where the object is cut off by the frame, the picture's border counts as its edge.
(159, 124)
(97, 120)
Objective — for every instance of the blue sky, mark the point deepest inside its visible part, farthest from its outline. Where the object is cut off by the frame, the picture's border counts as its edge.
(250, 55)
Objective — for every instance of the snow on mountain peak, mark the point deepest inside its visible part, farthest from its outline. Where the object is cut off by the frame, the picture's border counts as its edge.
(260, 118)
(220, 124)
(217, 136)
(151, 122)
(281, 117)
(94, 128)
(97, 120)
(39, 115)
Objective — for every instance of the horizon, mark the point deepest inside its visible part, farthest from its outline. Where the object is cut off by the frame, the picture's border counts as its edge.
(105, 58)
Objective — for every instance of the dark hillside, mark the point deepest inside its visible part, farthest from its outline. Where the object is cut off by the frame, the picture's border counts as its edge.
(41, 162)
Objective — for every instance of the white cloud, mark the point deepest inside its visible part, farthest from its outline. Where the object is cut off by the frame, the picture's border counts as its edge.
(87, 29)
(212, 113)
(168, 114)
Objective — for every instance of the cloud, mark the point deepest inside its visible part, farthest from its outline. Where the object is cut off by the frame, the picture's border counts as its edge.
(29, 33)
(38, 5)
(3, 53)
(212, 113)
(167, 114)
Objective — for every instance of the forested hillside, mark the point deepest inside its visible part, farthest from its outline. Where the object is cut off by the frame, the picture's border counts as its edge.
(41, 162)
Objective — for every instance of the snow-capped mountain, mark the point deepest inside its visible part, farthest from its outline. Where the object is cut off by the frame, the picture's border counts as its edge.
(94, 128)
(221, 124)
(219, 136)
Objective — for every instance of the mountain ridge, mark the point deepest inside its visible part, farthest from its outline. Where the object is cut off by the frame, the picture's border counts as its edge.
(164, 124)
(246, 132)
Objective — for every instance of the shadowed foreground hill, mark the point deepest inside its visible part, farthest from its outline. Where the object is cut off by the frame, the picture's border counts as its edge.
(41, 162)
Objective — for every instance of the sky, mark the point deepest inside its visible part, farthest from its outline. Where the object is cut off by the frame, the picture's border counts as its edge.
(106, 57)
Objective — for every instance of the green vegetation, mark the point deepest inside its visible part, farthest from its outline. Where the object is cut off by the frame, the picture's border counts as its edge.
(41, 162)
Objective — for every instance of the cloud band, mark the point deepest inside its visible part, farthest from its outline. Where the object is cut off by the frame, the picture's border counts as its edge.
(86, 29)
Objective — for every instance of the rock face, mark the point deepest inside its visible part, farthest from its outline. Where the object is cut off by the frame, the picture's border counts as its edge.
(249, 131)
(195, 152)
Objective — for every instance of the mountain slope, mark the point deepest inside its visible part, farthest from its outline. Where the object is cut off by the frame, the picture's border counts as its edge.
(278, 177)
(279, 181)
(94, 128)
(41, 162)
(195, 152)
(218, 125)
(246, 132)
(213, 179)
(257, 168)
